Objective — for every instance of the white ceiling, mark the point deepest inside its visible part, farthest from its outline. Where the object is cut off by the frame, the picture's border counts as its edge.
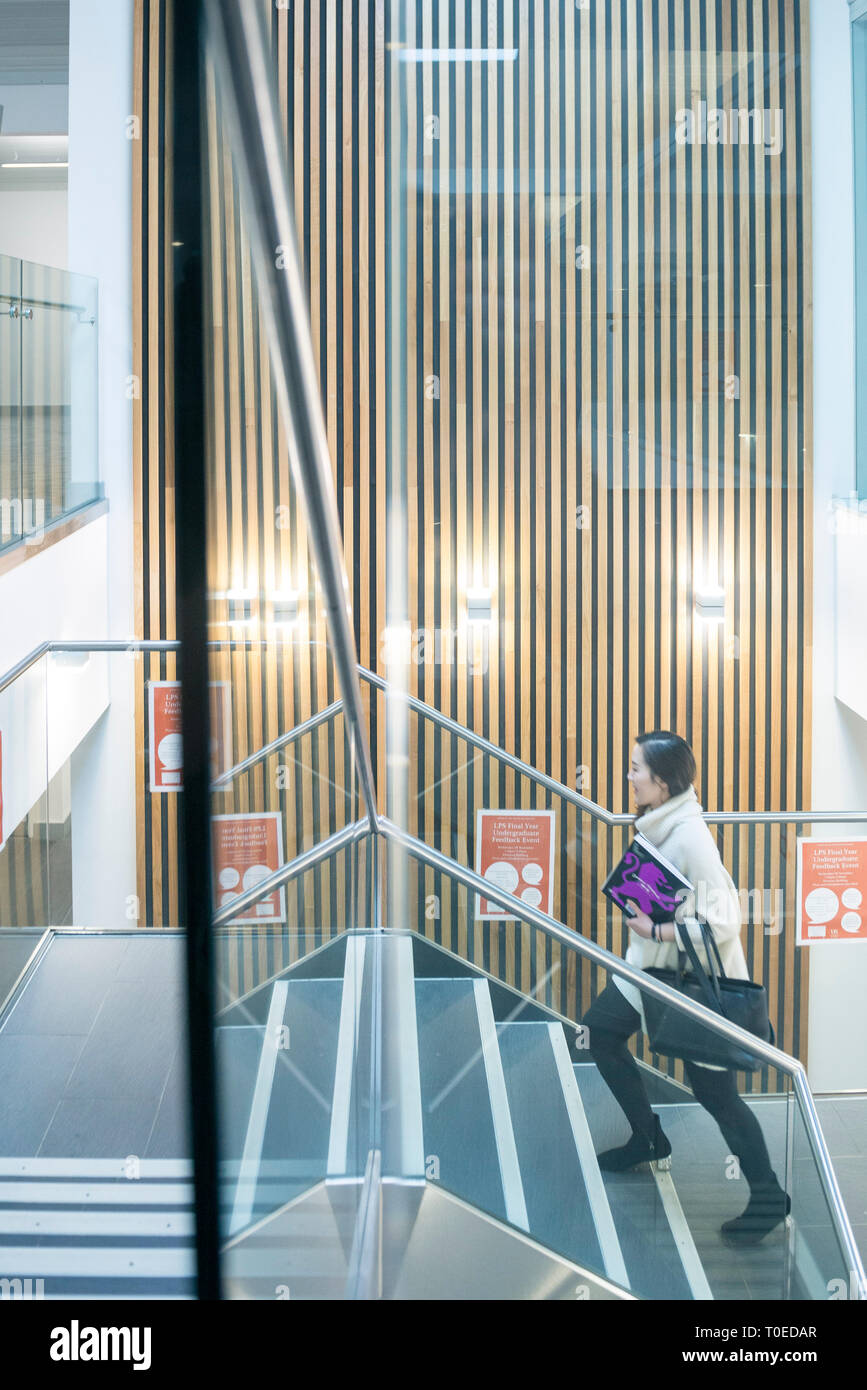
(34, 41)
(34, 82)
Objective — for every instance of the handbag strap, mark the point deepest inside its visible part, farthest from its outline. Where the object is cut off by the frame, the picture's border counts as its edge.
(710, 984)
(710, 945)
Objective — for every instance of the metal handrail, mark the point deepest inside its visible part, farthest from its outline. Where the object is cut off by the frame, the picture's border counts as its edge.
(531, 916)
(238, 45)
(583, 803)
(597, 954)
(616, 965)
(699, 1012)
(293, 735)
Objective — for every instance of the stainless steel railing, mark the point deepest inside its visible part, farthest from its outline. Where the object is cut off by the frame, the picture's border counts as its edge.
(616, 965)
(540, 779)
(583, 803)
(554, 930)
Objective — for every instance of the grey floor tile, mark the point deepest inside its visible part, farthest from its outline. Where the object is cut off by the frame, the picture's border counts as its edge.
(33, 1076)
(65, 993)
(840, 1136)
(150, 955)
(96, 1127)
(852, 1177)
(129, 1048)
(169, 1137)
(853, 1114)
(16, 948)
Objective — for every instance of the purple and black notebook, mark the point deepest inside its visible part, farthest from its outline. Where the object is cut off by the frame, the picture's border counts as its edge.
(646, 881)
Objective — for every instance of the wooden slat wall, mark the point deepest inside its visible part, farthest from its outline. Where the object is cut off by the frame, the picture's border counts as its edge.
(557, 386)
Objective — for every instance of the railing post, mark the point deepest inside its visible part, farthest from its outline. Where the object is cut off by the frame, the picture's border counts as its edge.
(192, 620)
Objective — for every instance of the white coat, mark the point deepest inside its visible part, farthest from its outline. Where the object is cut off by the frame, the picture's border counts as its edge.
(678, 830)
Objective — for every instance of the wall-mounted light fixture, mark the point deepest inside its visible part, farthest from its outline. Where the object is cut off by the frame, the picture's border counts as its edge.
(284, 605)
(240, 607)
(478, 605)
(710, 603)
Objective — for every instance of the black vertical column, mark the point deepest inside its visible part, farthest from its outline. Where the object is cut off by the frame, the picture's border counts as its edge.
(185, 68)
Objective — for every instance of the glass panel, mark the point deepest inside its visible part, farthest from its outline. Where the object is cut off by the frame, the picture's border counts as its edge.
(819, 1266)
(451, 782)
(25, 885)
(107, 1210)
(518, 1105)
(11, 520)
(859, 126)
(295, 1039)
(588, 461)
(96, 878)
(59, 391)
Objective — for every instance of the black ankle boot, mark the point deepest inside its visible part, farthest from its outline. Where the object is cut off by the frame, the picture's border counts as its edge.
(640, 1149)
(769, 1204)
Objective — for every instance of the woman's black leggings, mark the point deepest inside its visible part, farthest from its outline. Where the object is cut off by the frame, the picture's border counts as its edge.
(610, 1020)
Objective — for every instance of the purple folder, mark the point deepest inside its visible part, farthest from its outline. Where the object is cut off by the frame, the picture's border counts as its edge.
(646, 881)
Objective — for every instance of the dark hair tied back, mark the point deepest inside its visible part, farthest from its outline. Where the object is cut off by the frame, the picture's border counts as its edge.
(669, 758)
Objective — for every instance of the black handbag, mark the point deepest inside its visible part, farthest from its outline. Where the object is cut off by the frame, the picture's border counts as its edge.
(674, 1034)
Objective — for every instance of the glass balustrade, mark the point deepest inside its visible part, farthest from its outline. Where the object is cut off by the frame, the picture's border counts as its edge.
(49, 424)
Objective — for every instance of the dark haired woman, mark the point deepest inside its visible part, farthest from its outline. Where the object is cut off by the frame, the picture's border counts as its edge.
(669, 815)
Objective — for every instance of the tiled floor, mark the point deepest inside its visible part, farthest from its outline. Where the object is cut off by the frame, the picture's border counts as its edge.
(87, 1051)
(711, 1192)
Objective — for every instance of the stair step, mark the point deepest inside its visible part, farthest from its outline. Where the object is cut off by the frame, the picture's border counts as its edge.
(565, 1197)
(654, 1258)
(278, 1095)
(458, 1122)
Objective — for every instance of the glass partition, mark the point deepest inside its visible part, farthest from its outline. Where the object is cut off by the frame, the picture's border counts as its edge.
(452, 783)
(859, 129)
(596, 384)
(820, 1268)
(11, 490)
(297, 980)
(49, 422)
(657, 1228)
(26, 885)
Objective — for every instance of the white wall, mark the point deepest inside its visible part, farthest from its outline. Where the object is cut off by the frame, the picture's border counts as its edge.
(838, 974)
(82, 587)
(100, 244)
(33, 226)
(58, 593)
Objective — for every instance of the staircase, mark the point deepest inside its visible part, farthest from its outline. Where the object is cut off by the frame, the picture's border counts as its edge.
(490, 1129)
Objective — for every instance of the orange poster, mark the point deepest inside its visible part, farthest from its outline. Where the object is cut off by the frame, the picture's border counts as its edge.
(248, 848)
(164, 727)
(515, 851)
(832, 891)
(164, 723)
